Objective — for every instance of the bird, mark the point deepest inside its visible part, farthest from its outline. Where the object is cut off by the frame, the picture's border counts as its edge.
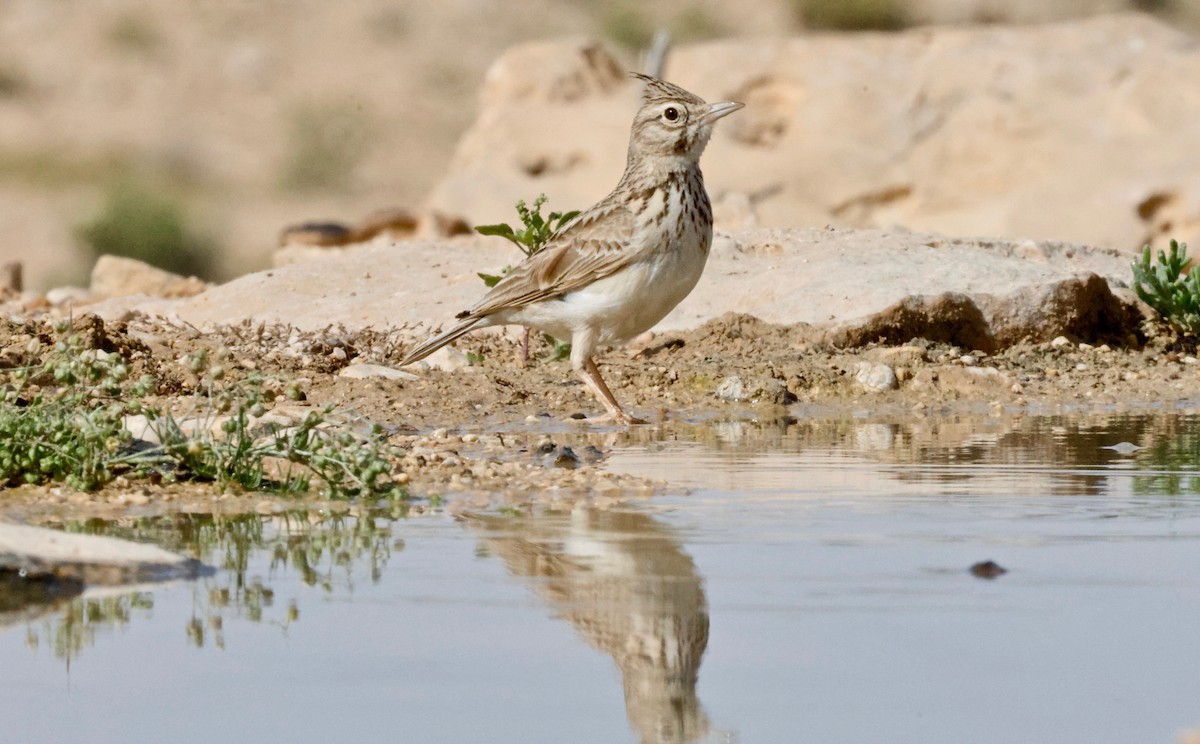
(616, 269)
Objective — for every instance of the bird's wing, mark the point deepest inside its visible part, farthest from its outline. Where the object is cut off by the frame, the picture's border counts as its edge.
(594, 245)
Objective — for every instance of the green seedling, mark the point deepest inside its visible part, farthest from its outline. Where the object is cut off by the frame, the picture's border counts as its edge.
(533, 238)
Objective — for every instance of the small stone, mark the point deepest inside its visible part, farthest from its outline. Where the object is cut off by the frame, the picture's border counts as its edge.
(566, 458)
(967, 359)
(988, 570)
(365, 371)
(69, 295)
(876, 378)
(1060, 341)
(731, 388)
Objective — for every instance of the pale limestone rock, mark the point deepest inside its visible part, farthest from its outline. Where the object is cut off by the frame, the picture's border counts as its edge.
(367, 371)
(973, 293)
(118, 276)
(973, 130)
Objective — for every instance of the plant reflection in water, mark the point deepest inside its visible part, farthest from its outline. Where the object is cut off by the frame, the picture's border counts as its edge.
(322, 546)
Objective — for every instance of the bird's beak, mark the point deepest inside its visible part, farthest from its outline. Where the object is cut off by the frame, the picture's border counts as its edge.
(717, 110)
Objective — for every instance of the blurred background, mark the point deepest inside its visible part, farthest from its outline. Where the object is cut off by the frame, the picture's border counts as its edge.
(187, 133)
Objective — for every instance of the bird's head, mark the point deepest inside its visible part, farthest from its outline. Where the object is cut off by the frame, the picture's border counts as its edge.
(673, 123)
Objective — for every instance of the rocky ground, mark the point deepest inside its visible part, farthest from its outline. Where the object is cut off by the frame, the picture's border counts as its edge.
(504, 433)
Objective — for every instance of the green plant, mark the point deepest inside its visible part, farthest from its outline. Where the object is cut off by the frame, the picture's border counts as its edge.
(64, 418)
(533, 238)
(141, 224)
(538, 230)
(1163, 286)
(852, 15)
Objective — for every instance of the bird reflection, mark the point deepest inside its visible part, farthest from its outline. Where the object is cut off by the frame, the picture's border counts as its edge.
(623, 581)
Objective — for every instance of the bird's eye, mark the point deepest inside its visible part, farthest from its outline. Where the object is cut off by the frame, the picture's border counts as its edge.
(671, 114)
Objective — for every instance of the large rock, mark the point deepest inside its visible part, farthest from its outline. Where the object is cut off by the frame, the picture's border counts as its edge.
(1078, 131)
(1000, 290)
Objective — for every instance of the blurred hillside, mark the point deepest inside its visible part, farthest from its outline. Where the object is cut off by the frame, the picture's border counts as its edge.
(216, 123)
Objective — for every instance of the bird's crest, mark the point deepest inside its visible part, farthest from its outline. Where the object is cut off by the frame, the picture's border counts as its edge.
(661, 90)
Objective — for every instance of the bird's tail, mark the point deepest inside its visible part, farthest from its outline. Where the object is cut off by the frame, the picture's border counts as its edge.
(440, 340)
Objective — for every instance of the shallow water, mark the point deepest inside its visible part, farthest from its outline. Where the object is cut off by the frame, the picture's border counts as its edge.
(813, 585)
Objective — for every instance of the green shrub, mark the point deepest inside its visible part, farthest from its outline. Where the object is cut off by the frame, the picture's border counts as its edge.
(141, 224)
(1162, 285)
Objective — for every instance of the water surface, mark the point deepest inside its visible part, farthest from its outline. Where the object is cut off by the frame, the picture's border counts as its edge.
(812, 585)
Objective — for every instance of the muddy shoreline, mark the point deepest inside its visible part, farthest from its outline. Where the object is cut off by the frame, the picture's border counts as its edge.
(506, 433)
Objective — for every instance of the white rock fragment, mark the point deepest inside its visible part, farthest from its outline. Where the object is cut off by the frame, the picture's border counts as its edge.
(876, 378)
(732, 389)
(367, 371)
(447, 359)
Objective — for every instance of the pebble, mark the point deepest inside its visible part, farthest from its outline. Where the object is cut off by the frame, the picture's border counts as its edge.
(876, 378)
(365, 371)
(731, 388)
(1060, 341)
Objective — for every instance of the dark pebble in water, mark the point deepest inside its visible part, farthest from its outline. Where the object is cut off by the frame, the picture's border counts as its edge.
(566, 459)
(546, 448)
(579, 415)
(988, 570)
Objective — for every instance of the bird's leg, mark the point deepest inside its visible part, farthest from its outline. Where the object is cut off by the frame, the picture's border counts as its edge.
(590, 374)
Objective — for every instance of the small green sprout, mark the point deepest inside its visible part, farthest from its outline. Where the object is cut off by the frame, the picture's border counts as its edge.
(538, 230)
(533, 238)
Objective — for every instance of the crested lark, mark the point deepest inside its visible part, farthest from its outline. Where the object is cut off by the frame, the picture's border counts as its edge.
(617, 268)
